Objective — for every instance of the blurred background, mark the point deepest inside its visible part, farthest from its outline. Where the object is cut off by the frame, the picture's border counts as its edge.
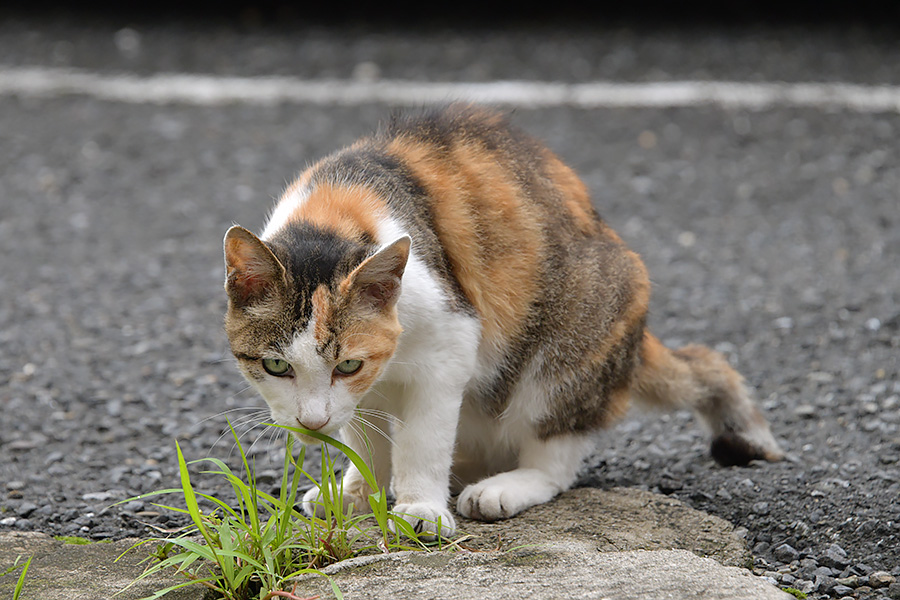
(770, 233)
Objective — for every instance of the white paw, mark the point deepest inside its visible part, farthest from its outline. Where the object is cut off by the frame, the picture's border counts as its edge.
(427, 519)
(504, 495)
(313, 504)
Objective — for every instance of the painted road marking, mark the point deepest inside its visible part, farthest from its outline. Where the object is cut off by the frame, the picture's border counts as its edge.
(211, 90)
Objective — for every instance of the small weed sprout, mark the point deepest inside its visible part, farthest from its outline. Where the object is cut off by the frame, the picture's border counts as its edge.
(252, 550)
(17, 591)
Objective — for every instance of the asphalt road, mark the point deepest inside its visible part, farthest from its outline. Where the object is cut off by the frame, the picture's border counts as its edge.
(772, 235)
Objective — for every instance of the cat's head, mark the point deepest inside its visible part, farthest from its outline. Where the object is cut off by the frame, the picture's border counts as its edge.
(312, 319)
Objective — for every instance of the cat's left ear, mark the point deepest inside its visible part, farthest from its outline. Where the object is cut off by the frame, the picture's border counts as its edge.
(375, 284)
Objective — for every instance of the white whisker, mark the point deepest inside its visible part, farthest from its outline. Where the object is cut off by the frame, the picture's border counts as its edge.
(256, 441)
(361, 424)
(357, 430)
(243, 390)
(257, 416)
(230, 410)
(274, 434)
(380, 414)
(254, 419)
(380, 394)
(246, 426)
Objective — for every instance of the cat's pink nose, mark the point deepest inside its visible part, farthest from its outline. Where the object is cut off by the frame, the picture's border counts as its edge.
(314, 424)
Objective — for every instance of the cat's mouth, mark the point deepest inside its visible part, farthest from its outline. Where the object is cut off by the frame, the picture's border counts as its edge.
(302, 431)
(319, 425)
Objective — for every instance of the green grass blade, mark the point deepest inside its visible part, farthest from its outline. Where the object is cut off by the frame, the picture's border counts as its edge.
(310, 571)
(147, 495)
(221, 504)
(237, 483)
(378, 504)
(248, 490)
(243, 556)
(21, 582)
(179, 562)
(355, 458)
(287, 495)
(10, 569)
(183, 511)
(205, 552)
(160, 593)
(267, 539)
(191, 500)
(225, 563)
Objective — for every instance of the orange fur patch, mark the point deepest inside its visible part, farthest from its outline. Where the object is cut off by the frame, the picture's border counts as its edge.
(662, 380)
(321, 313)
(635, 312)
(374, 343)
(491, 237)
(372, 340)
(351, 211)
(574, 194)
(653, 353)
(616, 406)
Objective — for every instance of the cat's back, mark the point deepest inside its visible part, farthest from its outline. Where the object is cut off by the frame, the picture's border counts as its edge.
(494, 214)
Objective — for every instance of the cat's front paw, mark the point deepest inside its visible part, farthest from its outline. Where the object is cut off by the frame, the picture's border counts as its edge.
(312, 503)
(355, 492)
(504, 495)
(427, 519)
(314, 506)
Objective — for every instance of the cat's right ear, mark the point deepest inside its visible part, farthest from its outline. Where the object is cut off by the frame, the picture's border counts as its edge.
(253, 273)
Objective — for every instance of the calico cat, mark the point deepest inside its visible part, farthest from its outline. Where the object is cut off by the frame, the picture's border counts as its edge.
(447, 288)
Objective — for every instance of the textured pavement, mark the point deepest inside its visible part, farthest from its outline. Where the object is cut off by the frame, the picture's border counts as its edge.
(771, 235)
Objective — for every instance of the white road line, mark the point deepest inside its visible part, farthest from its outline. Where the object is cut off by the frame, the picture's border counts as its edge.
(210, 90)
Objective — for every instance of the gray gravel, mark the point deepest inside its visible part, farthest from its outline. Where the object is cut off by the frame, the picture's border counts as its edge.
(772, 236)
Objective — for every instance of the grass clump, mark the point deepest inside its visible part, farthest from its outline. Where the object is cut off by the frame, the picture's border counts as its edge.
(251, 548)
(795, 592)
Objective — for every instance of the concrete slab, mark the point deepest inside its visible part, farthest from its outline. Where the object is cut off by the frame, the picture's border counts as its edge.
(553, 570)
(80, 572)
(588, 543)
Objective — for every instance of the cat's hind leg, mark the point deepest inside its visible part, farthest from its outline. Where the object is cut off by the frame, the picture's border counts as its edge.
(546, 468)
(701, 379)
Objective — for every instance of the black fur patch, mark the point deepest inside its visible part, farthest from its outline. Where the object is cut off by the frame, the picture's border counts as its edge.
(313, 256)
(729, 450)
(371, 166)
(584, 404)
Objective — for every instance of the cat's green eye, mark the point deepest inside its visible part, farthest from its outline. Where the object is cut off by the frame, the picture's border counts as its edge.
(348, 367)
(276, 366)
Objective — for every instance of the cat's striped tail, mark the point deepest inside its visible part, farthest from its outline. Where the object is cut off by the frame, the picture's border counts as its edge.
(701, 379)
